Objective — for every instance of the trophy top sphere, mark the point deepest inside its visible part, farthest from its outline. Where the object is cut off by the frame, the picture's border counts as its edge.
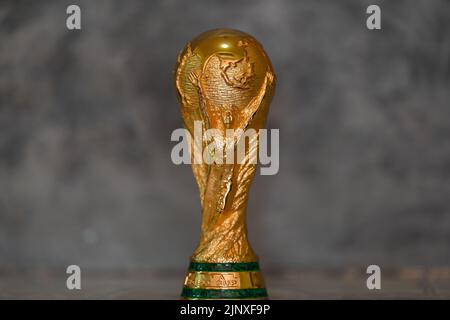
(228, 43)
(224, 72)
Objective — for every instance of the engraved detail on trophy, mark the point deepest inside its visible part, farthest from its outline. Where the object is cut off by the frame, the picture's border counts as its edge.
(224, 80)
(223, 280)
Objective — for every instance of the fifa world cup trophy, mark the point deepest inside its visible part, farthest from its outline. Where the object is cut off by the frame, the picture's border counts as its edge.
(224, 82)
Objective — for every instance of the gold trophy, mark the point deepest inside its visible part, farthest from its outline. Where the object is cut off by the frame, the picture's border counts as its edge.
(224, 80)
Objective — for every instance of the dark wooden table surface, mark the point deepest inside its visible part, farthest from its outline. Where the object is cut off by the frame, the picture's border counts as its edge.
(406, 283)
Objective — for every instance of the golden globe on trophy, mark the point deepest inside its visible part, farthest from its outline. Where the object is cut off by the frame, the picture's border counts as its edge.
(224, 82)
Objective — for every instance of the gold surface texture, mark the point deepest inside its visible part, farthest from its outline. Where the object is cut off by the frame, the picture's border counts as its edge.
(224, 79)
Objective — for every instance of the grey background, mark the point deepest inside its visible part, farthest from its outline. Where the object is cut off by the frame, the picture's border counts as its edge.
(86, 117)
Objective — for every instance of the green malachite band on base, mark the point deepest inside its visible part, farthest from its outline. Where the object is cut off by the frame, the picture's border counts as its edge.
(257, 293)
(219, 267)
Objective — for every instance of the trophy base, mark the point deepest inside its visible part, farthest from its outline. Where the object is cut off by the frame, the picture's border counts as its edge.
(224, 281)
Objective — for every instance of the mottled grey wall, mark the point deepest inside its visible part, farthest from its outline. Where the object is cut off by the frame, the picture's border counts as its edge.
(86, 118)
